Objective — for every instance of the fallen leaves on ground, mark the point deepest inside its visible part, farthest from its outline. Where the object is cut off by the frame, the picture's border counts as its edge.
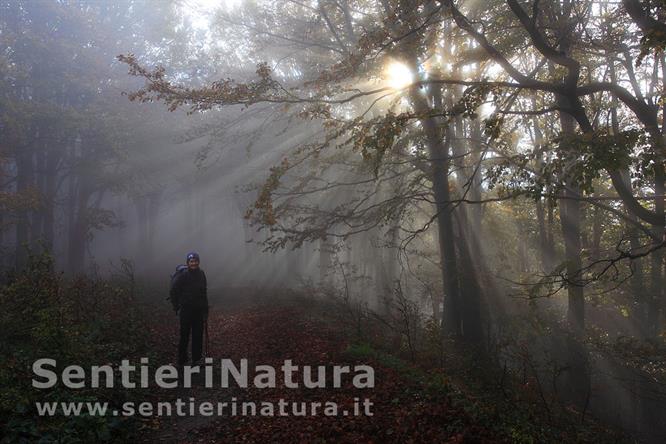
(269, 335)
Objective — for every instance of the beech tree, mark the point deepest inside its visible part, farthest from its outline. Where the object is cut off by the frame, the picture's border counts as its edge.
(557, 102)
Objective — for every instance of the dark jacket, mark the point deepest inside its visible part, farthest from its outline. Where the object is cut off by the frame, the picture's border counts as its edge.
(189, 290)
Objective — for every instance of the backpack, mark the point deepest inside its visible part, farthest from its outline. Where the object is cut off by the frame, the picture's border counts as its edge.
(179, 269)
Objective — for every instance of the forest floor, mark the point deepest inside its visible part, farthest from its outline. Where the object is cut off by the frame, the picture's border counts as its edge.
(427, 388)
(403, 410)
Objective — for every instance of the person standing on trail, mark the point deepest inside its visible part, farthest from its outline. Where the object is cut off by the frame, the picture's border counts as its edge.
(189, 295)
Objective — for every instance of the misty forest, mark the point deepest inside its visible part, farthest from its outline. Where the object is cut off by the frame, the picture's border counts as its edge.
(467, 196)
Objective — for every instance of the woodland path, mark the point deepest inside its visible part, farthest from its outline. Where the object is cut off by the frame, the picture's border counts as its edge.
(270, 334)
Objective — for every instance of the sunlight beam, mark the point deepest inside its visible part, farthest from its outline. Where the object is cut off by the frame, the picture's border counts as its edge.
(398, 75)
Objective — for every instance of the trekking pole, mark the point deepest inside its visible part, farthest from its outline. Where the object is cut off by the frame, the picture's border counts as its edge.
(206, 344)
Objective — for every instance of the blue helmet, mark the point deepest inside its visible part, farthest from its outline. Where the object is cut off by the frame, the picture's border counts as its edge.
(192, 255)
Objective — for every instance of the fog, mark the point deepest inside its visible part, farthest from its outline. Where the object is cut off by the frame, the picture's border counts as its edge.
(502, 183)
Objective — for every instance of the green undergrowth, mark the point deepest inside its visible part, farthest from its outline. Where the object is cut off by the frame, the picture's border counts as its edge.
(81, 321)
(515, 409)
(513, 427)
(508, 416)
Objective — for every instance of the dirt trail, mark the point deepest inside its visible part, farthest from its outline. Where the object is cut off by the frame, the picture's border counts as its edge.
(272, 334)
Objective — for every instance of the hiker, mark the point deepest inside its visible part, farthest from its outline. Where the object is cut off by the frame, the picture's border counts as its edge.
(189, 296)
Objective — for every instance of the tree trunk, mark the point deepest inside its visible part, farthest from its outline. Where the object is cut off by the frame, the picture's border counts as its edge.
(37, 219)
(656, 258)
(468, 221)
(470, 288)
(640, 315)
(325, 262)
(578, 380)
(48, 206)
(78, 232)
(438, 144)
(24, 177)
